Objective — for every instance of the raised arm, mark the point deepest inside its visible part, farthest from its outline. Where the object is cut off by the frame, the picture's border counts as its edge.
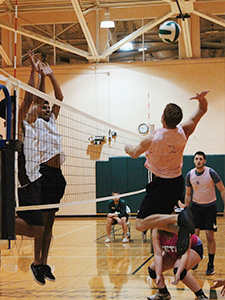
(47, 71)
(28, 98)
(190, 125)
(135, 152)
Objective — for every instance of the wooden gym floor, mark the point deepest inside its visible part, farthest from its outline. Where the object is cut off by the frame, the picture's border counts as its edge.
(86, 268)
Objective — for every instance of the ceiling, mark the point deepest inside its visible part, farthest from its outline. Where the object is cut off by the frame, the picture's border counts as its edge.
(61, 31)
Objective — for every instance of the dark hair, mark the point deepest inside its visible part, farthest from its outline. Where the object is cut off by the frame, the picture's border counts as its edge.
(46, 102)
(200, 153)
(172, 115)
(115, 192)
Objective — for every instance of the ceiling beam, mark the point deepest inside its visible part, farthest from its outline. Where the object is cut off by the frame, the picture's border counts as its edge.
(85, 28)
(137, 33)
(5, 56)
(187, 37)
(209, 17)
(47, 40)
(9, 5)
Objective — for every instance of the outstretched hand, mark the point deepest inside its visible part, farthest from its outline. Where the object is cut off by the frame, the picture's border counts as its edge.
(203, 103)
(45, 69)
(200, 96)
(219, 282)
(35, 66)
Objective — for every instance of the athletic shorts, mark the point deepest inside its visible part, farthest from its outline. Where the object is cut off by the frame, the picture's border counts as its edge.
(198, 249)
(53, 185)
(205, 216)
(162, 195)
(115, 221)
(31, 195)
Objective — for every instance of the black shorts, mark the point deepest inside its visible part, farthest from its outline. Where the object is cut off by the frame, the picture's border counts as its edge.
(31, 195)
(53, 185)
(162, 195)
(204, 216)
(199, 250)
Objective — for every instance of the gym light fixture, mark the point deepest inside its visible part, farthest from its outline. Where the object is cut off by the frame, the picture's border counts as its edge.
(107, 22)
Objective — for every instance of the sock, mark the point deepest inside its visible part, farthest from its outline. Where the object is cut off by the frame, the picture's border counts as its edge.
(199, 293)
(211, 258)
(164, 290)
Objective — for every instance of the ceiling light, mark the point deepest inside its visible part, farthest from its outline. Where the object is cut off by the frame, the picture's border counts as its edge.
(141, 49)
(127, 47)
(107, 22)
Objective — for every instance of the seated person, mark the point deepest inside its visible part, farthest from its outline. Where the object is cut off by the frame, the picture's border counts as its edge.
(116, 214)
(166, 258)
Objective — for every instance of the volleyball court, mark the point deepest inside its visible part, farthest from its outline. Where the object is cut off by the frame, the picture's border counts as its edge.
(85, 139)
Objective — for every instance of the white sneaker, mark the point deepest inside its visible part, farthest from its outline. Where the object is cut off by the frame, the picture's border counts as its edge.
(107, 240)
(125, 240)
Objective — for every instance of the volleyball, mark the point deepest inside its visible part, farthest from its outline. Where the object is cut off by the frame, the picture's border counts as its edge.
(169, 32)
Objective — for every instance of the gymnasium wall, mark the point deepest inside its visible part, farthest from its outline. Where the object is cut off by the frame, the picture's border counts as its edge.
(120, 94)
(125, 174)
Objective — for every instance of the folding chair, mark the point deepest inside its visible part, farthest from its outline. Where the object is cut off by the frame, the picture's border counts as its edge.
(113, 234)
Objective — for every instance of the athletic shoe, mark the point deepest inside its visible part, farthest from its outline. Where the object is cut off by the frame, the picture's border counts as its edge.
(185, 219)
(125, 240)
(37, 272)
(107, 240)
(159, 296)
(202, 297)
(183, 240)
(210, 269)
(48, 273)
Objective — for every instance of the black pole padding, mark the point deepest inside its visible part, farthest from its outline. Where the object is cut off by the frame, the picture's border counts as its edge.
(8, 194)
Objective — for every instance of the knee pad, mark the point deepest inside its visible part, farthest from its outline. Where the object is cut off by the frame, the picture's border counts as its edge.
(182, 274)
(151, 273)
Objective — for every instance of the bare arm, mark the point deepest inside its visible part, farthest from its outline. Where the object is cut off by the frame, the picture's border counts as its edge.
(47, 71)
(221, 188)
(135, 152)
(188, 196)
(158, 258)
(190, 125)
(28, 98)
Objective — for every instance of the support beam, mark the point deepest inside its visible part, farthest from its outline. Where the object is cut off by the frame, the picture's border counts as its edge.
(84, 27)
(47, 40)
(137, 33)
(5, 56)
(186, 37)
(209, 17)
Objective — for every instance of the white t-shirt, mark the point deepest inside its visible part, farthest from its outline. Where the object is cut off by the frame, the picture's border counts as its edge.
(31, 153)
(49, 139)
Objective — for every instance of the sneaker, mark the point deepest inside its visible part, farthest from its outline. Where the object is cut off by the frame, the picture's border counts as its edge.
(202, 297)
(48, 273)
(107, 240)
(125, 240)
(37, 272)
(185, 219)
(160, 296)
(210, 269)
(183, 241)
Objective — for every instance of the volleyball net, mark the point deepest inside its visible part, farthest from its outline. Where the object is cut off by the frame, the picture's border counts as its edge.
(85, 140)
